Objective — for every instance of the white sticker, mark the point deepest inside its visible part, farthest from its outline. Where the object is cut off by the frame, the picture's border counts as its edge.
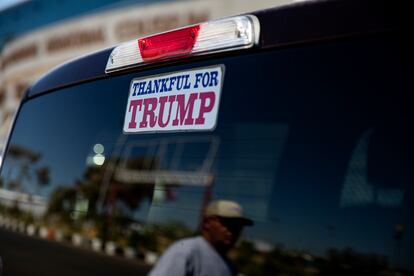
(186, 100)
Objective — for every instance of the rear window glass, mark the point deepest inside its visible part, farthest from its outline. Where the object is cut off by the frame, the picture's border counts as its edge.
(317, 146)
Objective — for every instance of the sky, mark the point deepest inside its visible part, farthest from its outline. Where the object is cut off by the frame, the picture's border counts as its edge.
(4, 4)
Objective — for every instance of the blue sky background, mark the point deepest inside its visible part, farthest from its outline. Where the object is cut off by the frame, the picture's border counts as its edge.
(4, 4)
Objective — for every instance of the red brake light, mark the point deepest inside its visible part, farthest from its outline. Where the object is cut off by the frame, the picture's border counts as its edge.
(171, 44)
(229, 34)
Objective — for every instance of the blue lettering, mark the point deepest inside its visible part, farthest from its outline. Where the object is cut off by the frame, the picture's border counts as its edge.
(206, 79)
(172, 81)
(213, 78)
(135, 88)
(180, 83)
(139, 88)
(187, 84)
(198, 77)
(164, 85)
(149, 88)
(156, 86)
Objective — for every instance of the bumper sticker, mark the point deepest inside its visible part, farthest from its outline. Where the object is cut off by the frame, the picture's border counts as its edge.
(180, 101)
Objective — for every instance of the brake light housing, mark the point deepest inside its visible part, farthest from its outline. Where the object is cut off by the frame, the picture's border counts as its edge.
(240, 32)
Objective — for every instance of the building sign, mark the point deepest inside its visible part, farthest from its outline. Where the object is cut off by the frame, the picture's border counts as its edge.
(19, 54)
(75, 39)
(182, 101)
(132, 28)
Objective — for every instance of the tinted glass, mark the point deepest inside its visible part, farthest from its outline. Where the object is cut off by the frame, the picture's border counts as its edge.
(314, 142)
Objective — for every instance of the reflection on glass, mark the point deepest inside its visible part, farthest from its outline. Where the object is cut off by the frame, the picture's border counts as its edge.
(98, 159)
(324, 173)
(98, 148)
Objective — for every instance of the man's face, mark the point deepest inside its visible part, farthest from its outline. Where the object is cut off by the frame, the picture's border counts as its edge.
(223, 232)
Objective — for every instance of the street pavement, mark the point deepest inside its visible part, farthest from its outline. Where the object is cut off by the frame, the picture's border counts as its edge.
(24, 255)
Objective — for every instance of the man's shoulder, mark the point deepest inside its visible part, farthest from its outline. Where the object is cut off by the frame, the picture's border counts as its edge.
(178, 258)
(190, 246)
(188, 243)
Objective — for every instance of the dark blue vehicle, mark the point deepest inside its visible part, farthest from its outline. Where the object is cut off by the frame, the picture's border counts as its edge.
(301, 114)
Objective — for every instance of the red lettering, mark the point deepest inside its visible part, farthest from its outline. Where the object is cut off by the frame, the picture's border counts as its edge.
(204, 108)
(150, 105)
(162, 102)
(134, 105)
(183, 109)
(156, 112)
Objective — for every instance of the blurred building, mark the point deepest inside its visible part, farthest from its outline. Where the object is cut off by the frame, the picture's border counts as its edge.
(37, 35)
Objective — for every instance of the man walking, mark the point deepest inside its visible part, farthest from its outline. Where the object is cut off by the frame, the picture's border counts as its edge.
(206, 254)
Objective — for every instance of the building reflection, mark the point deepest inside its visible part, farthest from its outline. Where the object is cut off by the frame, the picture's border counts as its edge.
(156, 194)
